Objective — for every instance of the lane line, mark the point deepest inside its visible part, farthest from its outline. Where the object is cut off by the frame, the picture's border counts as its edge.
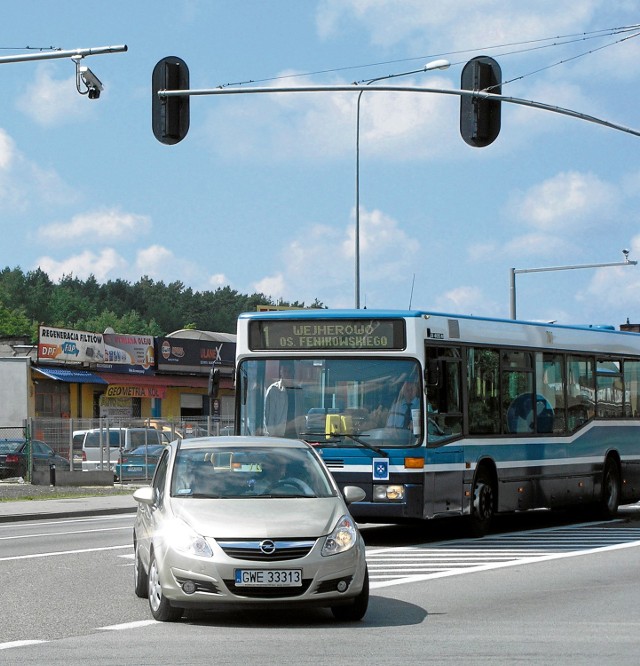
(128, 625)
(51, 534)
(35, 556)
(13, 644)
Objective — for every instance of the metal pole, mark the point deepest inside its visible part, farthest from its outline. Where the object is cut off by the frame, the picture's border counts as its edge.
(440, 64)
(357, 229)
(513, 271)
(50, 55)
(439, 91)
(512, 292)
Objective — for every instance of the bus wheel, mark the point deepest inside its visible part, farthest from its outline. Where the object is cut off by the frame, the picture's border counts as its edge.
(482, 509)
(610, 498)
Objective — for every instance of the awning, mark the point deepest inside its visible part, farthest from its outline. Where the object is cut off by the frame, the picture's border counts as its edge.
(160, 381)
(71, 376)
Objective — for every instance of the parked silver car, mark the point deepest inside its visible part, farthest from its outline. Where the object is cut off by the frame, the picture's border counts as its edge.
(247, 521)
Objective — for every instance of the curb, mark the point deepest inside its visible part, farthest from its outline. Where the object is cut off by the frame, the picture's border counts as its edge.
(17, 517)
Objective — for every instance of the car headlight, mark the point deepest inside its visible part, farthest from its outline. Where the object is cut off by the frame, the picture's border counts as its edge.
(186, 540)
(343, 537)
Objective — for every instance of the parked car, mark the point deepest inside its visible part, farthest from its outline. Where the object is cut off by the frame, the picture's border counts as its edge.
(95, 446)
(250, 522)
(14, 459)
(138, 463)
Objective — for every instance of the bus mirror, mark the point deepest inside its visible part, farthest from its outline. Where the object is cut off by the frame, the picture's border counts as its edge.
(432, 373)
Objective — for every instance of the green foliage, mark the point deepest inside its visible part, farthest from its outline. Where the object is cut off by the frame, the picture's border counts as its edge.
(146, 307)
(15, 323)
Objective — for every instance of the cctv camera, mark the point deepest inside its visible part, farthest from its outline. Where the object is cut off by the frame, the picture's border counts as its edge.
(93, 83)
(625, 252)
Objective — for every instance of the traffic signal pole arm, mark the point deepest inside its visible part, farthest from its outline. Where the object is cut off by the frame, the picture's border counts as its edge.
(51, 55)
(415, 89)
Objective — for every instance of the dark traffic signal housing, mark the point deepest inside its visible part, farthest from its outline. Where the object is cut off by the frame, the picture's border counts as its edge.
(480, 117)
(170, 115)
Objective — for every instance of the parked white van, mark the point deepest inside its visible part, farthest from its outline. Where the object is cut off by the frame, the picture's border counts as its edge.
(98, 441)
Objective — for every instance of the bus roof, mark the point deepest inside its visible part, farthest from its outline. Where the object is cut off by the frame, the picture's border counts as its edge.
(321, 313)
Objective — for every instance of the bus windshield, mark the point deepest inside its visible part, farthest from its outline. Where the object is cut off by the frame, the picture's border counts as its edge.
(370, 402)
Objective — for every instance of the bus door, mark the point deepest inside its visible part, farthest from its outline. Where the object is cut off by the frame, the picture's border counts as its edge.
(444, 480)
(444, 464)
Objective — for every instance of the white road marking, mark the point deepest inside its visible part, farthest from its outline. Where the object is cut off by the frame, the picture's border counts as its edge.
(396, 566)
(128, 625)
(35, 556)
(13, 644)
(50, 534)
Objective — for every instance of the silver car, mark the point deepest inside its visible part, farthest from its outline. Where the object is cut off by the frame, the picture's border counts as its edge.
(250, 521)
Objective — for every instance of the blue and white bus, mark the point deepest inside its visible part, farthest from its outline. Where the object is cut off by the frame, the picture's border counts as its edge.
(445, 415)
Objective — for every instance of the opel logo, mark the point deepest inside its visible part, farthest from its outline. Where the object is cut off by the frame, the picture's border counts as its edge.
(268, 547)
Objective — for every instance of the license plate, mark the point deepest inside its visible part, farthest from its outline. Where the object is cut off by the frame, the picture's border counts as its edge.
(268, 577)
(134, 468)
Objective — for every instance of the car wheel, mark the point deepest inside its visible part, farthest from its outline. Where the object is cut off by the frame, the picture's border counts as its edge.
(140, 578)
(160, 607)
(356, 610)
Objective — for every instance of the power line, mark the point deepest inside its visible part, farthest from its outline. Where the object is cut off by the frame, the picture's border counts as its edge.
(532, 45)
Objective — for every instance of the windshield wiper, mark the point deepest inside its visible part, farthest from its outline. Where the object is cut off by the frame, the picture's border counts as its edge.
(360, 441)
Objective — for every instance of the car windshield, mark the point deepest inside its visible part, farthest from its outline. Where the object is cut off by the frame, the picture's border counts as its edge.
(230, 473)
(367, 401)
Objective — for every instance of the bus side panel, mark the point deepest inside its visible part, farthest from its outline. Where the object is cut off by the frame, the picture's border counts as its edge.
(601, 438)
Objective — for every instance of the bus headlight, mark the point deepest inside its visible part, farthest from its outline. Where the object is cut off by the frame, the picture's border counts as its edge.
(387, 493)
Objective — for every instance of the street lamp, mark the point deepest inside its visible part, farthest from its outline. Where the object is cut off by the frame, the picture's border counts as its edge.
(435, 64)
(514, 271)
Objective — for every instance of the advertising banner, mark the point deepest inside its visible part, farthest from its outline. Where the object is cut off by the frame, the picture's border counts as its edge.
(131, 354)
(61, 345)
(196, 356)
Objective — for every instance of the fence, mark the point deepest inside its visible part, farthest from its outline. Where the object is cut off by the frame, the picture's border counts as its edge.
(65, 436)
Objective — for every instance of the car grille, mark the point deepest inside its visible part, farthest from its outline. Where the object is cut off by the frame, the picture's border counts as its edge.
(268, 592)
(267, 550)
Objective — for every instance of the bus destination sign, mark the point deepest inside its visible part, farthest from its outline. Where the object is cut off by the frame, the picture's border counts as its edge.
(307, 334)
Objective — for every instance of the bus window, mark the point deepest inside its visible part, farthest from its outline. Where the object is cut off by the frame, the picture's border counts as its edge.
(609, 389)
(518, 401)
(444, 393)
(550, 385)
(483, 386)
(632, 388)
(580, 391)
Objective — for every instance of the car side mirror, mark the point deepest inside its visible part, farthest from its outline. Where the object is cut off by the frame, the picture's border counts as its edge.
(145, 495)
(353, 494)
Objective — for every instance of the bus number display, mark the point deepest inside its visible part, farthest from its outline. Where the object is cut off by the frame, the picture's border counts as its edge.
(308, 334)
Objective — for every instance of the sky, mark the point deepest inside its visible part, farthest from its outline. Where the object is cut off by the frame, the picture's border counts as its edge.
(260, 195)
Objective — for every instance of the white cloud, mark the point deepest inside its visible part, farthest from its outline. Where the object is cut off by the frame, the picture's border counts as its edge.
(320, 262)
(280, 126)
(617, 286)
(482, 23)
(103, 265)
(7, 150)
(465, 300)
(568, 201)
(100, 226)
(49, 101)
(273, 286)
(154, 261)
(217, 280)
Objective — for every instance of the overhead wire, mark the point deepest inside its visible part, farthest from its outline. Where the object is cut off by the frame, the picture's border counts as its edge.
(532, 45)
